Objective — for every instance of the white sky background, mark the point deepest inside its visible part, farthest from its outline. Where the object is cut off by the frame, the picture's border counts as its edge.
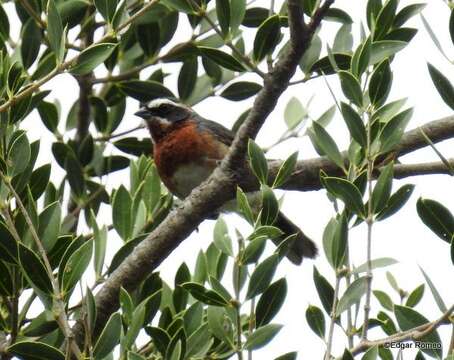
(402, 236)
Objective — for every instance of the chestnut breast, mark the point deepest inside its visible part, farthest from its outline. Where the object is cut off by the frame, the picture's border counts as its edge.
(185, 156)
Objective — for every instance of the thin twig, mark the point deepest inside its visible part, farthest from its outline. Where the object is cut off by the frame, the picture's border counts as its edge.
(414, 334)
(329, 341)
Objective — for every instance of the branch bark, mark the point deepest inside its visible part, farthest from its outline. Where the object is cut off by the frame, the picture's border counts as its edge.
(414, 334)
(219, 187)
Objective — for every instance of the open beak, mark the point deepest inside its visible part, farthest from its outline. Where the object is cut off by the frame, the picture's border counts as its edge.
(143, 113)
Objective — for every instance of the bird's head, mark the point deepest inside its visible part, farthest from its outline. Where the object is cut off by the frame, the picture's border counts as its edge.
(164, 111)
(161, 114)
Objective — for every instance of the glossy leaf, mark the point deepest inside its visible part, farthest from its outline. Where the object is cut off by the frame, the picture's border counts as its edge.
(327, 144)
(221, 58)
(270, 302)
(241, 90)
(443, 85)
(262, 336)
(267, 37)
(285, 170)
(355, 124)
(352, 295)
(91, 57)
(316, 320)
(351, 88)
(122, 213)
(109, 338)
(262, 276)
(437, 218)
(347, 192)
(144, 91)
(221, 237)
(380, 83)
(35, 350)
(382, 189)
(258, 161)
(55, 31)
(76, 266)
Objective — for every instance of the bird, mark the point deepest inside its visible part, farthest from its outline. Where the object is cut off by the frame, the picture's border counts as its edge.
(186, 150)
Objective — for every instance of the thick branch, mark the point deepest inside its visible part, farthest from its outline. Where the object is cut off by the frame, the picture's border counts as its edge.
(218, 188)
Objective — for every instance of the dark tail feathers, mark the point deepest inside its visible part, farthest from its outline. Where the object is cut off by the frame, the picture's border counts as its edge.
(301, 247)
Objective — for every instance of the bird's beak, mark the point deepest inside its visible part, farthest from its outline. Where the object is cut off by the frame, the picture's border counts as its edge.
(143, 113)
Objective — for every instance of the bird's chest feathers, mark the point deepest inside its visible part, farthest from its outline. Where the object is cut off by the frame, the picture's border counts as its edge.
(185, 158)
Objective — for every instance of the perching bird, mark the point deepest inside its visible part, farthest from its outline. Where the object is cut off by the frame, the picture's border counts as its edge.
(187, 148)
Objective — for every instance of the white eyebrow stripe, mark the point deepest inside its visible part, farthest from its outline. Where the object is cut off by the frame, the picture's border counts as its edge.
(160, 101)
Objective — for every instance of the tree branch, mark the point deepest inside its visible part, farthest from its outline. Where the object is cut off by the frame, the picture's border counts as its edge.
(218, 188)
(414, 334)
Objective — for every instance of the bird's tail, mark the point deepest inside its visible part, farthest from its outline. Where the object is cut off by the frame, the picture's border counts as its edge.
(301, 247)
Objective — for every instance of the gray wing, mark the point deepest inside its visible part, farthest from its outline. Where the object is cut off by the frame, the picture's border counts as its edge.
(223, 134)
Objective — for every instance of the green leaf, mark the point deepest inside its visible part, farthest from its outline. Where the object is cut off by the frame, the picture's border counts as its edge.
(49, 115)
(311, 55)
(407, 13)
(371, 354)
(253, 250)
(179, 5)
(267, 37)
(4, 24)
(443, 85)
(384, 49)
(262, 336)
(316, 320)
(452, 251)
(49, 225)
(415, 296)
(270, 302)
(340, 242)
(106, 8)
(55, 31)
(217, 324)
(258, 161)
(221, 237)
(294, 113)
(187, 78)
(347, 192)
(285, 170)
(380, 83)
(76, 266)
(355, 124)
(144, 91)
(325, 291)
(394, 129)
(34, 270)
(109, 338)
(241, 90)
(396, 201)
(375, 264)
(243, 206)
(223, 14)
(75, 175)
(237, 13)
(91, 57)
(35, 350)
(352, 295)
(270, 206)
(324, 66)
(122, 213)
(326, 143)
(134, 146)
(8, 245)
(19, 153)
(343, 41)
(382, 189)
(288, 356)
(221, 58)
(384, 299)
(339, 15)
(209, 297)
(385, 19)
(360, 60)
(262, 276)
(438, 299)
(451, 25)
(408, 318)
(31, 43)
(351, 88)
(437, 218)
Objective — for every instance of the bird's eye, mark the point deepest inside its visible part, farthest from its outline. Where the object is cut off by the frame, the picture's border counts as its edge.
(164, 109)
